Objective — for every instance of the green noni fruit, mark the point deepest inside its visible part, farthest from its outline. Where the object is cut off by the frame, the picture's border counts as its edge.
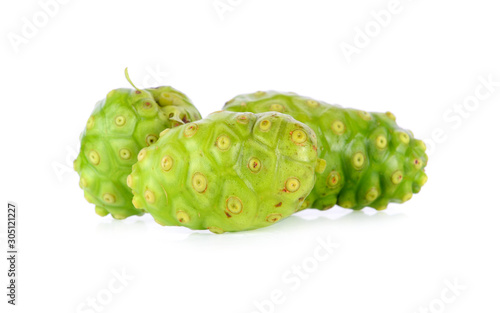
(370, 160)
(120, 126)
(227, 172)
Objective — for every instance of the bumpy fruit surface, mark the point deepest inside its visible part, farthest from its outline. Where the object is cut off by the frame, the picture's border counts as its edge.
(120, 126)
(370, 161)
(227, 172)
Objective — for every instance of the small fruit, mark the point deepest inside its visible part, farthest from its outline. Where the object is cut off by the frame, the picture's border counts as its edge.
(126, 121)
(370, 160)
(223, 174)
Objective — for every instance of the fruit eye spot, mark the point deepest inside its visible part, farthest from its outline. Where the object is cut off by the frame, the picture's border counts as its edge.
(223, 142)
(151, 139)
(299, 136)
(381, 142)
(149, 196)
(421, 144)
(292, 184)
(166, 163)
(346, 204)
(234, 205)
(365, 115)
(182, 217)
(391, 116)
(397, 177)
(130, 181)
(358, 160)
(277, 107)
(333, 179)
(338, 127)
(254, 165)
(407, 197)
(273, 218)
(90, 122)
(216, 230)
(120, 120)
(125, 154)
(242, 119)
(83, 183)
(141, 154)
(190, 130)
(94, 157)
(265, 125)
(372, 194)
(109, 198)
(404, 138)
(312, 103)
(423, 180)
(199, 182)
(417, 163)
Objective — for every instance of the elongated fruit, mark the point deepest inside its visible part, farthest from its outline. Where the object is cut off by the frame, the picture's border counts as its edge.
(370, 160)
(227, 172)
(120, 126)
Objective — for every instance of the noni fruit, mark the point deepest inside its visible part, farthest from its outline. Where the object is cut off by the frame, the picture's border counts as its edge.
(227, 172)
(370, 160)
(120, 126)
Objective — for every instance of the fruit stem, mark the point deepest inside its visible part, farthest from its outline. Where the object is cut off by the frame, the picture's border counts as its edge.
(128, 79)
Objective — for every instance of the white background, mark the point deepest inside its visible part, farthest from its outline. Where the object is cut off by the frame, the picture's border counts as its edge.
(422, 64)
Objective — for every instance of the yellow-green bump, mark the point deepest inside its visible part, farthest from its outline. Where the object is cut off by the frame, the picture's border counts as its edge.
(216, 230)
(397, 177)
(312, 103)
(199, 182)
(120, 120)
(273, 218)
(333, 179)
(166, 163)
(182, 217)
(101, 211)
(254, 165)
(149, 196)
(234, 205)
(265, 125)
(365, 115)
(320, 166)
(381, 142)
(94, 157)
(141, 154)
(372, 194)
(190, 130)
(151, 139)
(90, 123)
(223, 142)
(358, 160)
(338, 127)
(277, 107)
(242, 119)
(391, 116)
(299, 136)
(125, 153)
(292, 184)
(404, 137)
(109, 198)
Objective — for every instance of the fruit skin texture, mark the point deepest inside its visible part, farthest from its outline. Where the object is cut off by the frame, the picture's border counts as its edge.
(370, 160)
(120, 126)
(227, 172)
